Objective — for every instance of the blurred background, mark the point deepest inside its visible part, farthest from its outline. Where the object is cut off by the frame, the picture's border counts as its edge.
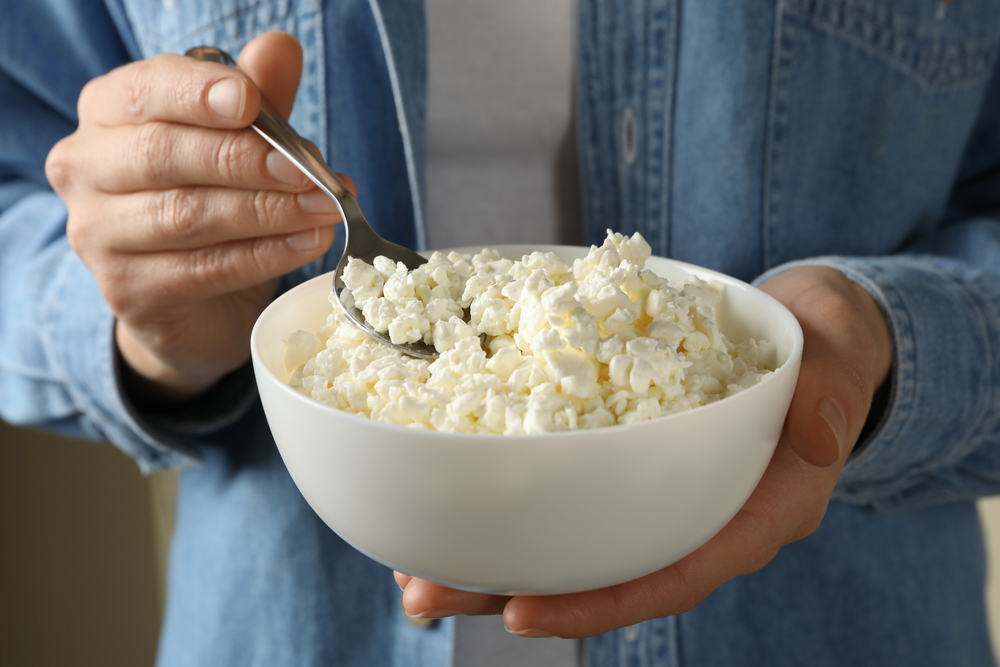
(83, 551)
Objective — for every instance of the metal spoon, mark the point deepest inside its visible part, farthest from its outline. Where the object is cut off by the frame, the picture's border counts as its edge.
(360, 240)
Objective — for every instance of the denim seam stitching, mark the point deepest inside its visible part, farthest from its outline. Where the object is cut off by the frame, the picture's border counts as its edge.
(585, 126)
(987, 387)
(416, 196)
(660, 95)
(979, 412)
(27, 372)
(771, 195)
(928, 77)
(615, 31)
(922, 472)
(900, 405)
(659, 124)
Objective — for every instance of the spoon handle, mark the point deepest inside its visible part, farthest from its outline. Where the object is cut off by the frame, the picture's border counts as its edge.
(271, 125)
(360, 240)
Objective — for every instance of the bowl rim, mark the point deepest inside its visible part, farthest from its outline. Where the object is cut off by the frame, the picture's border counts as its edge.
(794, 355)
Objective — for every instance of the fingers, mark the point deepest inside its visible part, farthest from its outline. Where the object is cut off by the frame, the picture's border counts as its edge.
(788, 504)
(846, 357)
(424, 599)
(178, 89)
(848, 352)
(188, 276)
(165, 246)
(274, 61)
(754, 567)
(173, 120)
(188, 218)
(171, 88)
(166, 155)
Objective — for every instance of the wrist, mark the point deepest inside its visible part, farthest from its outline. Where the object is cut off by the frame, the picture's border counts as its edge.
(148, 380)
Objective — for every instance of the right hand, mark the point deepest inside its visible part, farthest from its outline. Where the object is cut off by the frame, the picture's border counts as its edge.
(186, 218)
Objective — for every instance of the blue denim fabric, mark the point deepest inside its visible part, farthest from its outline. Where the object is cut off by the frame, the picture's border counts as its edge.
(747, 136)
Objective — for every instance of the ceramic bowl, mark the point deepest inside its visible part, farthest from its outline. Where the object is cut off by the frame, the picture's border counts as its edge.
(534, 514)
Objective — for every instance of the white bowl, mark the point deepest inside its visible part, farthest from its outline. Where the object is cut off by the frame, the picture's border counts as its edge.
(534, 514)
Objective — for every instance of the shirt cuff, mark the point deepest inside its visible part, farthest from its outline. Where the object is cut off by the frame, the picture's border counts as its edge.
(944, 382)
(79, 334)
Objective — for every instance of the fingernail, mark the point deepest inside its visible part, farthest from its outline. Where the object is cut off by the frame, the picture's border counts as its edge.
(281, 169)
(436, 613)
(228, 98)
(307, 240)
(533, 633)
(316, 201)
(835, 417)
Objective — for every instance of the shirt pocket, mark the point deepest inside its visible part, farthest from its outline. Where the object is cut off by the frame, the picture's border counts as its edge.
(871, 105)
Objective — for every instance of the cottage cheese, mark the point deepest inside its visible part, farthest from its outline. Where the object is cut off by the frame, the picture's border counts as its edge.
(545, 346)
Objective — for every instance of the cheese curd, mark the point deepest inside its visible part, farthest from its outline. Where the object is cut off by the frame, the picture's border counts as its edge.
(526, 346)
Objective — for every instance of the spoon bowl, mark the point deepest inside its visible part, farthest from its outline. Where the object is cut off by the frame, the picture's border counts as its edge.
(360, 240)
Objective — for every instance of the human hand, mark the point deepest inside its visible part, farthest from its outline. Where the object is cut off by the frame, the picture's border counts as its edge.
(186, 219)
(846, 357)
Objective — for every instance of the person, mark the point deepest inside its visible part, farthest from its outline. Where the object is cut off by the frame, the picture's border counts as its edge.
(841, 153)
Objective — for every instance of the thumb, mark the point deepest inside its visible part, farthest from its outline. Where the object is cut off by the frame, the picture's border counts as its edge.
(827, 410)
(274, 62)
(845, 358)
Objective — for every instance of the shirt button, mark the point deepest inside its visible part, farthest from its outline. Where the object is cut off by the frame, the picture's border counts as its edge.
(421, 623)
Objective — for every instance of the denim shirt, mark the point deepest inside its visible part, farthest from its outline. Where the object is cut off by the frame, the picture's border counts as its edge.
(747, 136)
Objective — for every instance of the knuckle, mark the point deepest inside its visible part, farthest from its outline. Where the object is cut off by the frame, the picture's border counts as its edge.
(84, 237)
(116, 288)
(178, 212)
(226, 266)
(58, 165)
(89, 94)
(267, 207)
(78, 235)
(80, 241)
(238, 158)
(683, 588)
(152, 145)
(206, 264)
(189, 92)
(138, 89)
(116, 297)
(758, 564)
(262, 257)
(228, 157)
(809, 525)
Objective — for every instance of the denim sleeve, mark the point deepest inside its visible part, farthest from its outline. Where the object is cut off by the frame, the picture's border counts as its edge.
(58, 365)
(938, 439)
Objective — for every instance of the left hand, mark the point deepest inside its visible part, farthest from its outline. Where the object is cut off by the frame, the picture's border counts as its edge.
(847, 356)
